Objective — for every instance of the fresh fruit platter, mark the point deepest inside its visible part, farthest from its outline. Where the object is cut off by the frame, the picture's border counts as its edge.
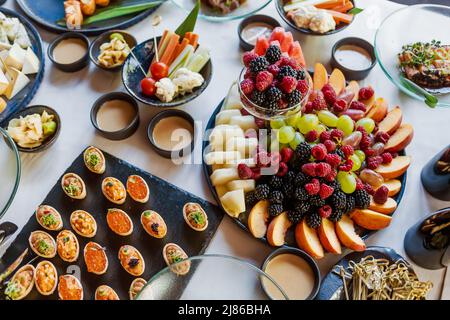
(323, 178)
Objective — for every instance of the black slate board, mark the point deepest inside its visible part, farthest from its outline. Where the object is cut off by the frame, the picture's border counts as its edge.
(165, 198)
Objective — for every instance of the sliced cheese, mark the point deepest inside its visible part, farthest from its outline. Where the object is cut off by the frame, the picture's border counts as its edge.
(16, 57)
(4, 83)
(31, 62)
(16, 84)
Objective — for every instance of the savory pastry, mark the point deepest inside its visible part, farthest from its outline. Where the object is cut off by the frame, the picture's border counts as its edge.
(195, 216)
(46, 278)
(102, 3)
(131, 260)
(87, 7)
(154, 224)
(136, 286)
(105, 292)
(73, 14)
(114, 190)
(138, 189)
(70, 288)
(49, 218)
(21, 283)
(115, 52)
(119, 222)
(94, 160)
(173, 254)
(95, 258)
(73, 186)
(83, 223)
(42, 244)
(68, 247)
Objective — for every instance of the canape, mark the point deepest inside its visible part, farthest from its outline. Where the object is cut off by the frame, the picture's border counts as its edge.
(138, 189)
(119, 222)
(45, 278)
(42, 244)
(173, 254)
(21, 283)
(153, 224)
(83, 223)
(114, 190)
(105, 292)
(136, 286)
(69, 288)
(94, 160)
(131, 260)
(95, 258)
(195, 216)
(68, 246)
(49, 218)
(73, 186)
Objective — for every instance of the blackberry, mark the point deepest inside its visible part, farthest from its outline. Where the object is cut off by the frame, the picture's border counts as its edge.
(314, 220)
(302, 207)
(250, 199)
(350, 204)
(340, 153)
(336, 215)
(288, 190)
(258, 64)
(273, 54)
(262, 192)
(275, 209)
(258, 97)
(289, 177)
(301, 179)
(275, 182)
(271, 105)
(303, 152)
(294, 98)
(286, 71)
(362, 199)
(338, 200)
(317, 201)
(273, 94)
(295, 216)
(276, 197)
(301, 194)
(334, 184)
(301, 75)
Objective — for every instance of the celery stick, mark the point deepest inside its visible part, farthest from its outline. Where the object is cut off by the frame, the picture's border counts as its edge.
(179, 62)
(298, 4)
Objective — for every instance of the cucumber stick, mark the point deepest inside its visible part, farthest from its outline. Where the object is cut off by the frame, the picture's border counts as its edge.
(181, 60)
(294, 5)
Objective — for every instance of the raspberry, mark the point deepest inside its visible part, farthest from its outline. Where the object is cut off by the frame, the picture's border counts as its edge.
(260, 123)
(374, 162)
(248, 57)
(287, 61)
(329, 94)
(282, 170)
(327, 87)
(288, 84)
(381, 195)
(247, 86)
(244, 112)
(347, 166)
(331, 176)
(322, 169)
(244, 171)
(319, 103)
(273, 69)
(369, 152)
(333, 160)
(286, 154)
(330, 145)
(308, 108)
(263, 159)
(249, 74)
(324, 136)
(263, 80)
(382, 137)
(339, 106)
(311, 136)
(325, 211)
(365, 142)
(365, 93)
(337, 134)
(282, 104)
(309, 169)
(369, 189)
(356, 105)
(313, 187)
(361, 129)
(256, 173)
(325, 191)
(275, 158)
(319, 151)
(359, 185)
(347, 150)
(302, 86)
(387, 158)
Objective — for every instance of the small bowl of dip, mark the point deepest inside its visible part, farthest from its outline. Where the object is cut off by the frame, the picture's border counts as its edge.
(355, 57)
(253, 27)
(115, 115)
(296, 273)
(172, 133)
(69, 52)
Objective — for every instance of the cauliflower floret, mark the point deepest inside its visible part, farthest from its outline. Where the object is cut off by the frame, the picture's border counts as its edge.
(166, 90)
(303, 15)
(186, 80)
(322, 22)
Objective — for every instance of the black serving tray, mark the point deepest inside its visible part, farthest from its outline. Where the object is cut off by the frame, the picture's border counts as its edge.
(165, 198)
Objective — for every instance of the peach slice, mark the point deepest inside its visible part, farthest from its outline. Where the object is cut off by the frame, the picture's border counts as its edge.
(328, 237)
(392, 121)
(379, 110)
(320, 76)
(337, 81)
(396, 168)
(370, 220)
(353, 87)
(386, 208)
(345, 230)
(369, 102)
(400, 139)
(258, 219)
(394, 186)
(308, 240)
(277, 229)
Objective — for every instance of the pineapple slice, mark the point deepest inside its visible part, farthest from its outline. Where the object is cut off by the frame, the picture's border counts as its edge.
(223, 176)
(233, 202)
(224, 116)
(250, 162)
(244, 122)
(220, 135)
(246, 146)
(246, 185)
(222, 157)
(221, 190)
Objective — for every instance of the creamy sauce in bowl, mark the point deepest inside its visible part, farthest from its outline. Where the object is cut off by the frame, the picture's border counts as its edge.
(353, 57)
(253, 31)
(69, 50)
(173, 133)
(115, 115)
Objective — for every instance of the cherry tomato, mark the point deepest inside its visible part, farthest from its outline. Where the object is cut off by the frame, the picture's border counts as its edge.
(148, 86)
(159, 70)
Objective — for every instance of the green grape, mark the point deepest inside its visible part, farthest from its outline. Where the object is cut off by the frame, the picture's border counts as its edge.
(367, 123)
(277, 123)
(293, 120)
(297, 140)
(345, 123)
(328, 118)
(286, 134)
(347, 181)
(361, 155)
(320, 128)
(356, 162)
(307, 123)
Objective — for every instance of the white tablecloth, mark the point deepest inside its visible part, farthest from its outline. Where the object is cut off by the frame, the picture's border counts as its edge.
(72, 95)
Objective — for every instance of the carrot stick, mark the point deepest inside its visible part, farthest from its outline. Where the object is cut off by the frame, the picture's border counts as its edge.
(188, 36)
(341, 17)
(344, 9)
(180, 48)
(170, 50)
(194, 40)
(330, 4)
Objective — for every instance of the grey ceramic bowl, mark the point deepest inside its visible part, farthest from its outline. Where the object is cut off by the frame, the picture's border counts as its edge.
(74, 66)
(258, 18)
(94, 49)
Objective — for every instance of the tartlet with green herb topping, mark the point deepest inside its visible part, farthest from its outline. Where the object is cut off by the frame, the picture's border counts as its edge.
(49, 218)
(195, 216)
(42, 244)
(21, 283)
(174, 254)
(73, 186)
(94, 160)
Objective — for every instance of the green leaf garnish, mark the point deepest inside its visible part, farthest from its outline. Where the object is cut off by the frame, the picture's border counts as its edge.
(355, 11)
(188, 24)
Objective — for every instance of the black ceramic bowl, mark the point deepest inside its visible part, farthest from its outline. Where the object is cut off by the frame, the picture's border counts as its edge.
(279, 4)
(167, 153)
(39, 109)
(123, 133)
(132, 76)
(351, 74)
(74, 66)
(258, 18)
(94, 49)
(302, 254)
